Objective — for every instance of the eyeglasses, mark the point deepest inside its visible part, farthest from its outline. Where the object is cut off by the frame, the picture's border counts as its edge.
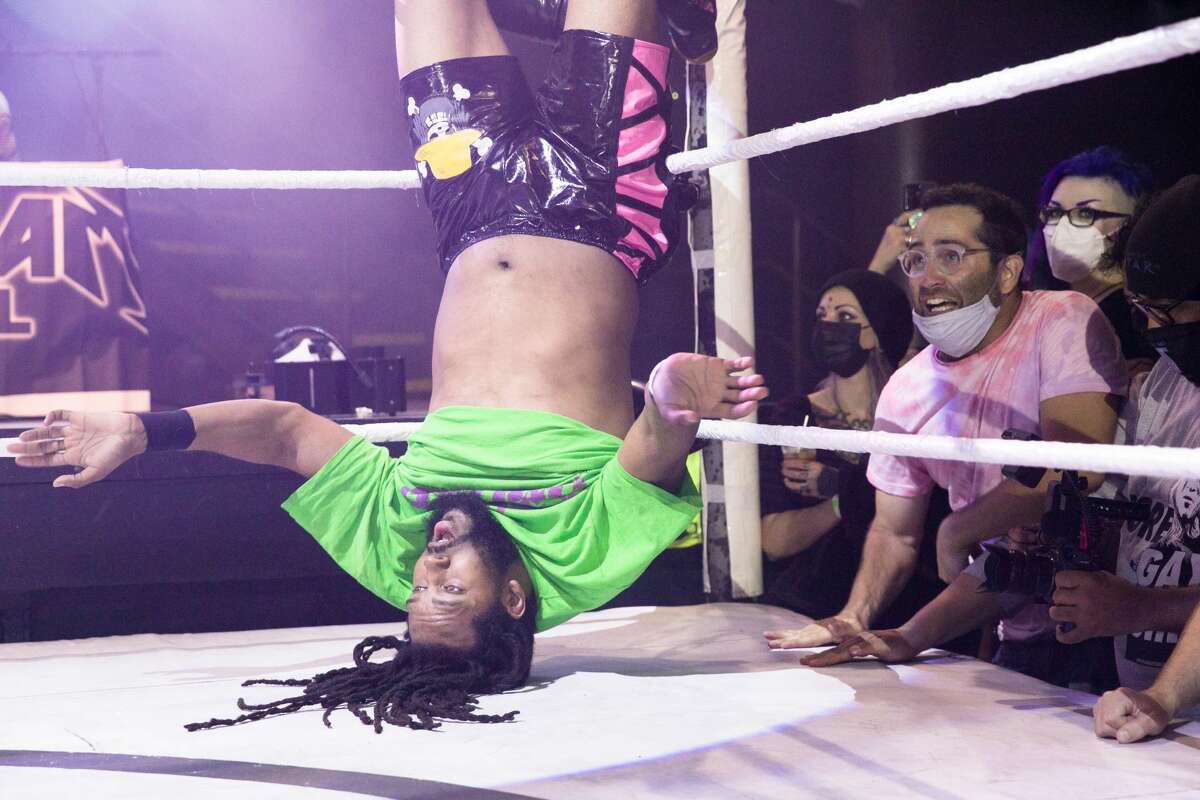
(1159, 312)
(948, 257)
(1079, 216)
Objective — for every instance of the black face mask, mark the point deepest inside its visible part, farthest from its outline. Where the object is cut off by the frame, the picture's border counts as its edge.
(1181, 344)
(835, 345)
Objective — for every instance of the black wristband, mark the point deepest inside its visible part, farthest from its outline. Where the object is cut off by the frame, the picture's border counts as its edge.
(168, 430)
(828, 481)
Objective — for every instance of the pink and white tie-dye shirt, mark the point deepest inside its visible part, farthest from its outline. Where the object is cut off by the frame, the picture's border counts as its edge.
(1058, 343)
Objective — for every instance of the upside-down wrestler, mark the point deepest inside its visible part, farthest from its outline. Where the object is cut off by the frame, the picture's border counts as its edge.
(530, 493)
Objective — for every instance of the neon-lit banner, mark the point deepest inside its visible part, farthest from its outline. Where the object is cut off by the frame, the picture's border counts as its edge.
(72, 318)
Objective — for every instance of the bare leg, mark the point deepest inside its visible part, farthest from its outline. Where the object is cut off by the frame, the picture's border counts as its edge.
(428, 31)
(635, 18)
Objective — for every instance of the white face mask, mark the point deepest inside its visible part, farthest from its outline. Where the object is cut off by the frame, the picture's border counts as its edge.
(958, 332)
(1074, 252)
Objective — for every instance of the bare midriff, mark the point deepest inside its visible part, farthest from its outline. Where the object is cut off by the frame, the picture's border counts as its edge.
(537, 323)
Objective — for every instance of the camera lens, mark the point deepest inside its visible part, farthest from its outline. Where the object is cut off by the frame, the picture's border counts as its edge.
(1019, 573)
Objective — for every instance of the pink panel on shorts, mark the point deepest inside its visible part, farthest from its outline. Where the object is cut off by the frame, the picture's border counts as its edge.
(642, 141)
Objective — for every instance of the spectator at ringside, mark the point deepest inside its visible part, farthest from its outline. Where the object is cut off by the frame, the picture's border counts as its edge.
(1000, 358)
(1084, 203)
(817, 505)
(1158, 562)
(1157, 585)
(1128, 715)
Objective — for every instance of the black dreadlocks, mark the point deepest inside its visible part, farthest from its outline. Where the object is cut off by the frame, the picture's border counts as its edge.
(423, 683)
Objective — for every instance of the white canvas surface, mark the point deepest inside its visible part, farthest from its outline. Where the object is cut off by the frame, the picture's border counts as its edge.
(641, 702)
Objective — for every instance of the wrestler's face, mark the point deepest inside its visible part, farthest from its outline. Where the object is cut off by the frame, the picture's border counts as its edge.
(460, 575)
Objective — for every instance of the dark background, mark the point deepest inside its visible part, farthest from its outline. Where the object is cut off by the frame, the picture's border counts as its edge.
(311, 84)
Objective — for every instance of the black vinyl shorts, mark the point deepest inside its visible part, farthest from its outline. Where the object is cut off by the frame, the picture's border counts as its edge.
(583, 159)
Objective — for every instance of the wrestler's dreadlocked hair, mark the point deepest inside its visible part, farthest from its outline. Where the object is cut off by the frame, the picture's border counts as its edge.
(423, 683)
(419, 686)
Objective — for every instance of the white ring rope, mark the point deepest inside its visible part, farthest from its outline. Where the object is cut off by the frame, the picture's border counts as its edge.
(1128, 52)
(1162, 462)
(32, 174)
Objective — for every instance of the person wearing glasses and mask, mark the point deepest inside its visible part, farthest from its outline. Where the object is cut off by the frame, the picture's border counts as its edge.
(817, 505)
(1157, 585)
(999, 358)
(1084, 204)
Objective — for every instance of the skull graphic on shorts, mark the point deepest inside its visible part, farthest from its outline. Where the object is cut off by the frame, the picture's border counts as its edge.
(437, 116)
(447, 150)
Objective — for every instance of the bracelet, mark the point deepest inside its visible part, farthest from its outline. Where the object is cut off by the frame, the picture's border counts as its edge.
(168, 430)
(835, 503)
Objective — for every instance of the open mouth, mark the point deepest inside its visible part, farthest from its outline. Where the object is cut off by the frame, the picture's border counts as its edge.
(939, 305)
(443, 533)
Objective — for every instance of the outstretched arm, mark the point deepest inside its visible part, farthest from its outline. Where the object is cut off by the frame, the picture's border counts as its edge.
(681, 390)
(259, 431)
(889, 558)
(266, 432)
(960, 608)
(1099, 603)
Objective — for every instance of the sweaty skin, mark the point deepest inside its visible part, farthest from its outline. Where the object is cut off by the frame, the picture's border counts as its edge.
(538, 323)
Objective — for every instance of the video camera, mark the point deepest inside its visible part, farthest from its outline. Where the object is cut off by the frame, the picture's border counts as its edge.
(1070, 537)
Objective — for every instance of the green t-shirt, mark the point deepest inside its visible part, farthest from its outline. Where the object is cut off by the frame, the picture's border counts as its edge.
(585, 528)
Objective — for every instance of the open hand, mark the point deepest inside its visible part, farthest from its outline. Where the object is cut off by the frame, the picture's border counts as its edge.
(889, 646)
(1127, 715)
(99, 443)
(821, 632)
(686, 387)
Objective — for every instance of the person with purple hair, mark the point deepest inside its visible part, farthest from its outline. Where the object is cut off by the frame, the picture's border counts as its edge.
(1084, 206)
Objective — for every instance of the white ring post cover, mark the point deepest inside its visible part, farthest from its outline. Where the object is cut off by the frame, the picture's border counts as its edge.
(733, 289)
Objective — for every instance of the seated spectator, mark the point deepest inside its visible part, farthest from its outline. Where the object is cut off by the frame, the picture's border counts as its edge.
(1000, 358)
(1085, 201)
(817, 504)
